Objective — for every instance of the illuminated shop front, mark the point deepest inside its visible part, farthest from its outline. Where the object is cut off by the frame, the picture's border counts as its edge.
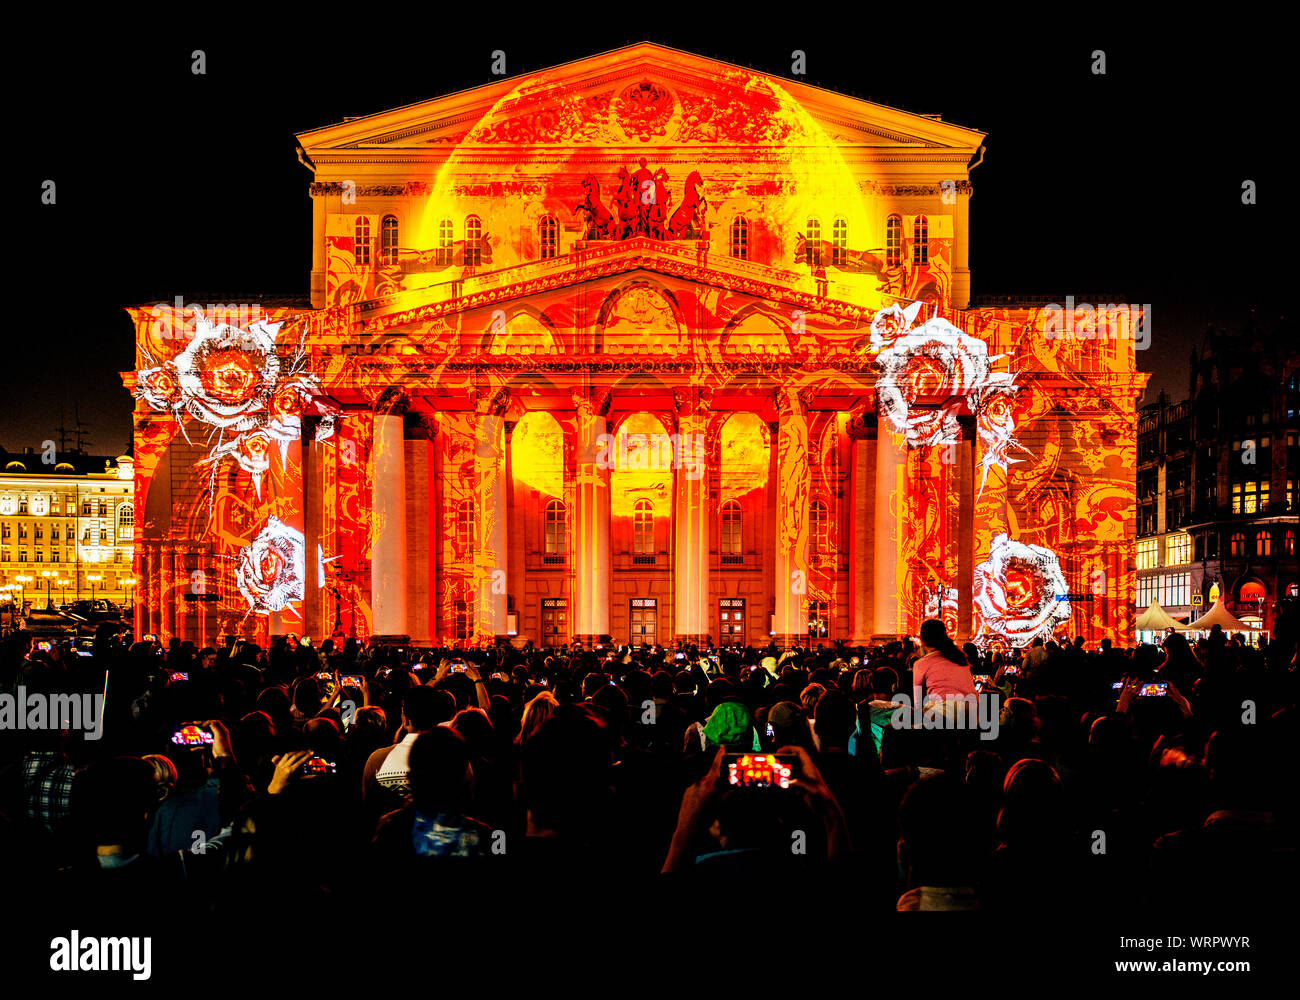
(645, 346)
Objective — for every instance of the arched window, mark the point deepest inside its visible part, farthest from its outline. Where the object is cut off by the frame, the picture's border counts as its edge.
(840, 243)
(921, 240)
(894, 241)
(388, 240)
(643, 528)
(466, 526)
(813, 243)
(361, 240)
(446, 243)
(1288, 543)
(473, 233)
(125, 522)
(731, 522)
(550, 237)
(1263, 543)
(555, 528)
(817, 524)
(1237, 544)
(740, 238)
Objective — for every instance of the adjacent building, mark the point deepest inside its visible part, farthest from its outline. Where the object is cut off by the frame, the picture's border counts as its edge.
(67, 527)
(1216, 482)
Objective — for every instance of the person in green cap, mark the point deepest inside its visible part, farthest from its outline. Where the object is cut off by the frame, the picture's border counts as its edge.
(731, 726)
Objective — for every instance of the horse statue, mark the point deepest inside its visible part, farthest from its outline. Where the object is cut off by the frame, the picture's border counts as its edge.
(626, 205)
(684, 220)
(600, 221)
(656, 213)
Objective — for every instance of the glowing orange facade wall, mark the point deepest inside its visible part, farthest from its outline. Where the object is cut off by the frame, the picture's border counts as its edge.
(649, 347)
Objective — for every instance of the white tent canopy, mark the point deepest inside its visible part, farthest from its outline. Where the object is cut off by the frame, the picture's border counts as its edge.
(1157, 619)
(1221, 616)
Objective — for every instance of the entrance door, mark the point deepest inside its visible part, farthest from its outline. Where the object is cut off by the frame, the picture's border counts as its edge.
(645, 621)
(731, 621)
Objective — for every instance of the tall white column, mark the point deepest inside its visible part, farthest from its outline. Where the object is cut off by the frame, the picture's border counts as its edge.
(388, 531)
(691, 520)
(591, 584)
(862, 526)
(891, 471)
(491, 557)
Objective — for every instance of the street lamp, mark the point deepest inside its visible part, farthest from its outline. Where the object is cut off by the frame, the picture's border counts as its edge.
(49, 588)
(22, 591)
(94, 579)
(126, 596)
(63, 585)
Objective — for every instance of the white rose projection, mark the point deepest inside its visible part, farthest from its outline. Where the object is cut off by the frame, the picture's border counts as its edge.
(232, 380)
(936, 362)
(272, 568)
(227, 374)
(1016, 591)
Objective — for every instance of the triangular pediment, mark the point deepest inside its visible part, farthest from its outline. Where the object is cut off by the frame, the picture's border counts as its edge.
(642, 96)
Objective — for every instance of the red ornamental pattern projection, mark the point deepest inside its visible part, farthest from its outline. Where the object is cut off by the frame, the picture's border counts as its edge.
(820, 429)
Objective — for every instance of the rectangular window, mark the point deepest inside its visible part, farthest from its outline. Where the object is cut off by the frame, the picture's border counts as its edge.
(1178, 550)
(1146, 554)
(463, 619)
(819, 624)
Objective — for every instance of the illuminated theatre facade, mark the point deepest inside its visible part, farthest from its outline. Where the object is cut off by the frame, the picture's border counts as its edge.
(644, 346)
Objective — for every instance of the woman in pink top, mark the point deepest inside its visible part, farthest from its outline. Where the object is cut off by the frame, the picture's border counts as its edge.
(943, 671)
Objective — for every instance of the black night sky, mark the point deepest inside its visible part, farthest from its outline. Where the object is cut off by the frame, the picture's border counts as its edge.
(170, 183)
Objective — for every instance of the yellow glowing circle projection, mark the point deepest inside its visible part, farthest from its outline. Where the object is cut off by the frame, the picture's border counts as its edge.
(519, 173)
(537, 454)
(745, 456)
(640, 457)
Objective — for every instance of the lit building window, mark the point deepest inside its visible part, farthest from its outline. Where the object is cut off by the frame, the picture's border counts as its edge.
(1237, 544)
(894, 241)
(555, 528)
(1288, 543)
(921, 240)
(813, 243)
(817, 525)
(466, 526)
(740, 238)
(550, 234)
(361, 241)
(388, 240)
(1146, 554)
(1263, 543)
(1178, 550)
(819, 625)
(446, 243)
(473, 234)
(840, 243)
(731, 525)
(126, 522)
(463, 612)
(643, 528)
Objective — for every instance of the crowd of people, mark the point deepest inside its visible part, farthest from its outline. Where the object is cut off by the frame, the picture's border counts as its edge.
(225, 780)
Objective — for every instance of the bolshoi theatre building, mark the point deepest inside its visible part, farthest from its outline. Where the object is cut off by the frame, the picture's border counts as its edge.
(643, 347)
